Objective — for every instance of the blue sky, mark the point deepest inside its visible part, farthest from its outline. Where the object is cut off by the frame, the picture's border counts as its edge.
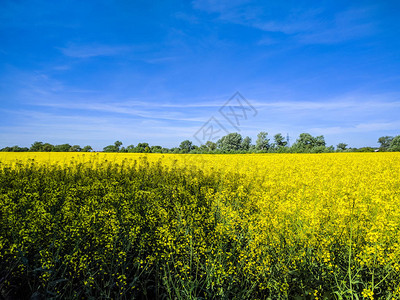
(92, 72)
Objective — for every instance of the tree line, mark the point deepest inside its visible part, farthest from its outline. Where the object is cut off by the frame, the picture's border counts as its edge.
(230, 143)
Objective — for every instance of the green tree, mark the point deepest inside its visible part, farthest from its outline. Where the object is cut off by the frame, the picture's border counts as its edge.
(87, 149)
(142, 148)
(36, 147)
(306, 142)
(186, 146)
(385, 142)
(118, 145)
(113, 148)
(109, 148)
(279, 140)
(341, 146)
(62, 148)
(211, 145)
(364, 149)
(175, 150)
(246, 143)
(319, 141)
(395, 144)
(262, 142)
(203, 148)
(130, 148)
(230, 142)
(47, 147)
(156, 149)
(14, 149)
(75, 148)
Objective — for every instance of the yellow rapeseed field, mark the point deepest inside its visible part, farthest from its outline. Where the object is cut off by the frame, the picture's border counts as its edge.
(251, 226)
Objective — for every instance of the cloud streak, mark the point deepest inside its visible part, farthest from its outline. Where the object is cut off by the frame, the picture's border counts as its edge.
(87, 51)
(306, 26)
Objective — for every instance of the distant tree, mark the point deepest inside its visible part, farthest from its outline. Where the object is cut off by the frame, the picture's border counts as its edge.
(118, 144)
(113, 148)
(156, 149)
(230, 142)
(130, 148)
(62, 148)
(175, 150)
(87, 149)
(385, 142)
(109, 148)
(279, 140)
(211, 145)
(186, 146)
(395, 144)
(306, 142)
(36, 147)
(246, 143)
(47, 147)
(330, 149)
(318, 149)
(142, 148)
(341, 146)
(262, 142)
(195, 149)
(14, 149)
(319, 141)
(364, 149)
(203, 148)
(75, 148)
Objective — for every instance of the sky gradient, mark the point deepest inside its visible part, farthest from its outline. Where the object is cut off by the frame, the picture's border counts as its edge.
(92, 72)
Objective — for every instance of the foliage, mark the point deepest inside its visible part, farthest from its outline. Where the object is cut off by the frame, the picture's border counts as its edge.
(385, 142)
(113, 148)
(186, 146)
(230, 142)
(87, 148)
(395, 144)
(262, 142)
(341, 147)
(62, 148)
(279, 140)
(246, 144)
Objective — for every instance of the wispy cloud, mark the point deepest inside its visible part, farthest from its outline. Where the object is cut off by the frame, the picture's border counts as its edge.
(98, 130)
(141, 110)
(308, 26)
(86, 51)
(346, 25)
(359, 105)
(357, 128)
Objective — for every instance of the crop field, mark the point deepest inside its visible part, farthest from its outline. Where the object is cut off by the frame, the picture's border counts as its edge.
(153, 226)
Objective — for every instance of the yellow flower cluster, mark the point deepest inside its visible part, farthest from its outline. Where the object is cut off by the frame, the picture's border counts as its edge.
(260, 226)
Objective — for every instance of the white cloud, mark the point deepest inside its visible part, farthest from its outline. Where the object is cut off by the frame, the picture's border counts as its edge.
(358, 128)
(311, 26)
(342, 104)
(86, 51)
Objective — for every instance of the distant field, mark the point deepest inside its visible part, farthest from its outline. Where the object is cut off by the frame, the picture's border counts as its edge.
(123, 226)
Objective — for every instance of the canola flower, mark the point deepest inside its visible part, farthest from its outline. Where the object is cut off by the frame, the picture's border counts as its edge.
(262, 226)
